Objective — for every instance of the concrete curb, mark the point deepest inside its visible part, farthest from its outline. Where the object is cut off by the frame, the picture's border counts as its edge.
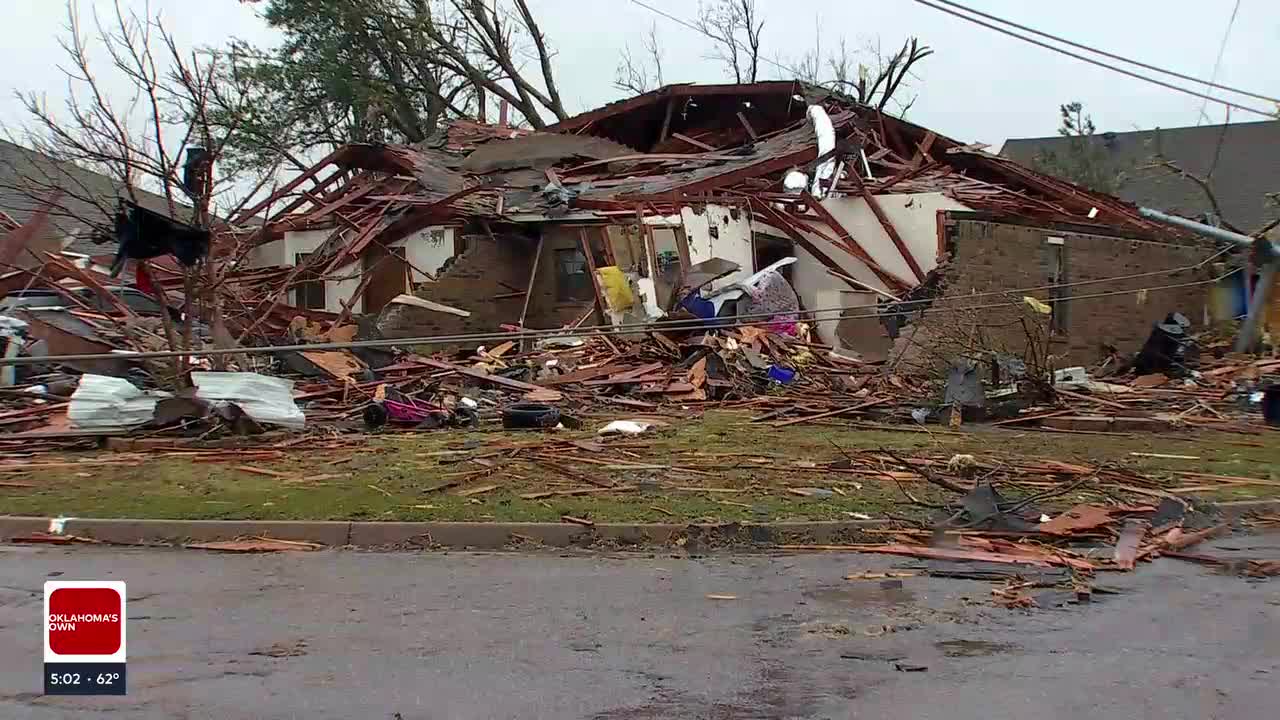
(1239, 508)
(479, 535)
(442, 535)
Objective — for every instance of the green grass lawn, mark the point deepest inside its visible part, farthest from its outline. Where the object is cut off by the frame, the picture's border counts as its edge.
(754, 467)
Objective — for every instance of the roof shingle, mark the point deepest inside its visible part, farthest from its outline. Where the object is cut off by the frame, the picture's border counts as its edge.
(1247, 167)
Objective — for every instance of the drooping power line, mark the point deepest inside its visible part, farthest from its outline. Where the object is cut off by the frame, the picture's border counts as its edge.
(1217, 64)
(1098, 63)
(1212, 82)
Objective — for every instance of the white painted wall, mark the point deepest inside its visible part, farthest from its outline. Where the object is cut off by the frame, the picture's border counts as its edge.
(914, 216)
(733, 241)
(420, 250)
(426, 250)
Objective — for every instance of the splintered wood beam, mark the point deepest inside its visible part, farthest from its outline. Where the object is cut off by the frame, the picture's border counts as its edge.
(890, 280)
(666, 122)
(591, 267)
(889, 229)
(923, 148)
(696, 143)
(742, 118)
(342, 201)
(785, 225)
(854, 247)
(764, 167)
(528, 293)
(289, 186)
(303, 196)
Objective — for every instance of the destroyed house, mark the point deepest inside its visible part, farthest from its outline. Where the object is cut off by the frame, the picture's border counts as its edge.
(620, 215)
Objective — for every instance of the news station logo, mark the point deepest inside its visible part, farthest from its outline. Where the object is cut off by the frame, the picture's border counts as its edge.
(84, 638)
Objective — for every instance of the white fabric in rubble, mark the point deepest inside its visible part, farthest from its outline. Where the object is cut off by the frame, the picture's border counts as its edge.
(737, 290)
(265, 399)
(12, 326)
(106, 403)
(795, 182)
(771, 296)
(625, 427)
(826, 133)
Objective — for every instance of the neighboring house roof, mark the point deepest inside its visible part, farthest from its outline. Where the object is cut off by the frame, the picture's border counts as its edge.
(25, 173)
(1247, 167)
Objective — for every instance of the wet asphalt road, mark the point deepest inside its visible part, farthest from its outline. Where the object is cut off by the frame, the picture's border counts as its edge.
(359, 636)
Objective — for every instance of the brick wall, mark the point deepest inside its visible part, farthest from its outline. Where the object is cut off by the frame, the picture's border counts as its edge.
(991, 256)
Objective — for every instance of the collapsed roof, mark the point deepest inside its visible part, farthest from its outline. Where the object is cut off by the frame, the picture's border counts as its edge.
(678, 143)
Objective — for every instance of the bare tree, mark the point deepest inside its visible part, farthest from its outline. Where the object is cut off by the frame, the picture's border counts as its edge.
(103, 148)
(1204, 183)
(482, 42)
(735, 27)
(137, 144)
(638, 75)
(876, 84)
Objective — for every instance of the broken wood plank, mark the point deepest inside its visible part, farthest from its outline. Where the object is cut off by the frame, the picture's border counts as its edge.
(584, 374)
(260, 471)
(256, 544)
(1186, 540)
(481, 375)
(1035, 416)
(1090, 398)
(1126, 552)
(1078, 519)
(830, 413)
(934, 553)
(528, 295)
(888, 226)
(629, 376)
(696, 143)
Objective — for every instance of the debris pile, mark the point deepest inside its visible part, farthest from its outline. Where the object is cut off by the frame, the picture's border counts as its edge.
(779, 379)
(1041, 560)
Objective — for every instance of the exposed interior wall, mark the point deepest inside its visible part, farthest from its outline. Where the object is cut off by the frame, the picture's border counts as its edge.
(335, 291)
(426, 251)
(488, 280)
(817, 288)
(282, 252)
(719, 231)
(547, 307)
(914, 216)
(631, 257)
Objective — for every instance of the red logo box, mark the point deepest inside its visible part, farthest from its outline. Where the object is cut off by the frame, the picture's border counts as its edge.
(85, 621)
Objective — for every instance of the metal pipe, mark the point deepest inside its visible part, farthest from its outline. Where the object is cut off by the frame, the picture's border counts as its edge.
(1195, 227)
(1248, 337)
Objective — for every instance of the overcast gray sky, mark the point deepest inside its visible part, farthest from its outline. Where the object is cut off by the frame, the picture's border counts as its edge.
(979, 86)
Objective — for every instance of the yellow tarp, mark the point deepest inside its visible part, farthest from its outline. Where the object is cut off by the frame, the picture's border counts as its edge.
(1036, 305)
(617, 290)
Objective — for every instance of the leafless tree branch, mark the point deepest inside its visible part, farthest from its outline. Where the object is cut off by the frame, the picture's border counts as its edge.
(638, 75)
